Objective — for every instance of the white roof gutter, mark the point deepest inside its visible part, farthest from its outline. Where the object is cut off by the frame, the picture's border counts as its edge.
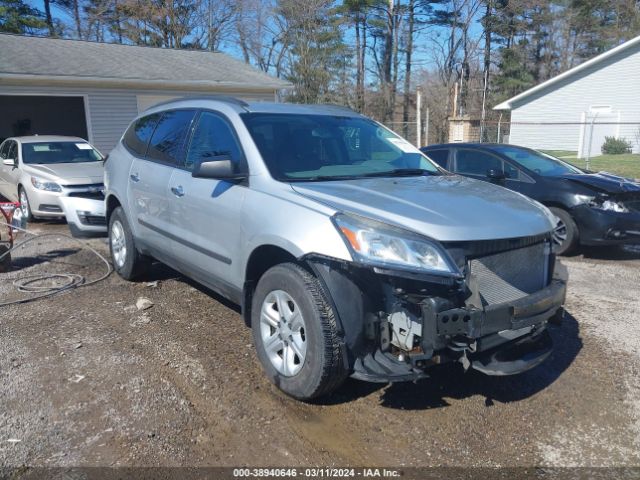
(110, 82)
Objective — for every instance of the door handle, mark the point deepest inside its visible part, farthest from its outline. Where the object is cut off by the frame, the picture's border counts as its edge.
(134, 177)
(178, 191)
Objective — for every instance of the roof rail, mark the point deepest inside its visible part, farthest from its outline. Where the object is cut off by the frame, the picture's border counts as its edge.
(219, 98)
(340, 107)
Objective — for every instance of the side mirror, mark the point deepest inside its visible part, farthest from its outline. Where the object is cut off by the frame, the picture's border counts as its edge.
(495, 174)
(222, 169)
(9, 162)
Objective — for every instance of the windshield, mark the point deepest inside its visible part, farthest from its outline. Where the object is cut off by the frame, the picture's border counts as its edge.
(45, 153)
(298, 147)
(538, 162)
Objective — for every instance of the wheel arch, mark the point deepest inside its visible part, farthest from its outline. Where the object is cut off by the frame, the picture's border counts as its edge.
(112, 202)
(261, 259)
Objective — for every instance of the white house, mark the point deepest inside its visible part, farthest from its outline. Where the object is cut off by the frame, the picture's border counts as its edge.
(578, 108)
(93, 90)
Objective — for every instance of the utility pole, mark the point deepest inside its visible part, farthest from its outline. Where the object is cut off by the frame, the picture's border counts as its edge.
(426, 128)
(418, 117)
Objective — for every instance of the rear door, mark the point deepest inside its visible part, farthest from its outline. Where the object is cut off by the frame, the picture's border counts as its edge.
(206, 213)
(149, 176)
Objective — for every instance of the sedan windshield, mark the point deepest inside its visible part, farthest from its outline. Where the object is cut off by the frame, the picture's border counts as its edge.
(45, 153)
(537, 162)
(299, 147)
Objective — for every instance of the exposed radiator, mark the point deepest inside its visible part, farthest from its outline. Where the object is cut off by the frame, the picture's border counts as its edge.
(511, 275)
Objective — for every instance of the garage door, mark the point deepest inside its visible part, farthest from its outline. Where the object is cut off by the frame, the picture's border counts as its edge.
(42, 115)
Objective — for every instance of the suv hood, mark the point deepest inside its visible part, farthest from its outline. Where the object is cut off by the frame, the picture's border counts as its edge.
(604, 182)
(446, 208)
(68, 173)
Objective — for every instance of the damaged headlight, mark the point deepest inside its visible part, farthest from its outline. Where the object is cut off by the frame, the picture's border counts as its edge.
(383, 245)
(608, 204)
(45, 185)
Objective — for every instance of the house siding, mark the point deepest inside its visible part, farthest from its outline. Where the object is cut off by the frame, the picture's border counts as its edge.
(614, 82)
(110, 111)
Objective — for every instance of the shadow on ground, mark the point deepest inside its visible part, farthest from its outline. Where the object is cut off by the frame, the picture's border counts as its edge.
(626, 252)
(451, 382)
(19, 262)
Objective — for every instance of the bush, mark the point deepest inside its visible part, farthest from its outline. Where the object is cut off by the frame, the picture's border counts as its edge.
(615, 146)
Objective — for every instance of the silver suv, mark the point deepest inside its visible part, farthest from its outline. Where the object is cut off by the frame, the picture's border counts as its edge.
(350, 252)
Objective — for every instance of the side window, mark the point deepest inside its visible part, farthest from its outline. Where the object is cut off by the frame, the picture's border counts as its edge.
(213, 137)
(137, 136)
(438, 156)
(476, 162)
(167, 141)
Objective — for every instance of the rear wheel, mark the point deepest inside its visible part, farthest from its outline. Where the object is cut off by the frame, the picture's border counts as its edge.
(296, 334)
(127, 261)
(565, 234)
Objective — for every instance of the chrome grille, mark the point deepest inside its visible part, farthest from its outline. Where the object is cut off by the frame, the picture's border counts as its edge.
(508, 276)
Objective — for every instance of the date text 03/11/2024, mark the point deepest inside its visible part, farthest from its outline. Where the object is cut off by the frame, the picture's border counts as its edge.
(316, 473)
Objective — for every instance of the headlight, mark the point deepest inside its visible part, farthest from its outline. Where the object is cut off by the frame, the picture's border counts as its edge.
(383, 245)
(44, 185)
(608, 205)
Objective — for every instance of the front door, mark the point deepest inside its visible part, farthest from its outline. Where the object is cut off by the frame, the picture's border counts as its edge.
(207, 212)
(9, 175)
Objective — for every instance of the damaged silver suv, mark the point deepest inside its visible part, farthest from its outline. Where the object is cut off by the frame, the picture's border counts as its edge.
(350, 252)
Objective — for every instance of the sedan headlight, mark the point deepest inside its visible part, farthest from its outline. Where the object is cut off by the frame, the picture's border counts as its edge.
(608, 205)
(378, 244)
(45, 185)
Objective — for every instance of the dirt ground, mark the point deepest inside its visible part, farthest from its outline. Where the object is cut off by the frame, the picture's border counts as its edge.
(88, 380)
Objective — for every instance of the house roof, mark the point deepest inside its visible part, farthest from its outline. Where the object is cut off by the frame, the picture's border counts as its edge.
(508, 104)
(75, 62)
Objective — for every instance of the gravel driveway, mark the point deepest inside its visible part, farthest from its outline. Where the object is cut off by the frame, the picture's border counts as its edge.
(90, 380)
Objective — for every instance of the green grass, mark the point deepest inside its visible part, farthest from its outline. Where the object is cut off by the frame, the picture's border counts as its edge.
(627, 165)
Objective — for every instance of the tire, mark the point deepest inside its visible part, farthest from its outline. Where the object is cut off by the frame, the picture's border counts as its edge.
(322, 370)
(5, 261)
(25, 205)
(126, 259)
(566, 234)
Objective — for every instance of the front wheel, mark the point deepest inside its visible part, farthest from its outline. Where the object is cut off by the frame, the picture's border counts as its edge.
(296, 334)
(25, 206)
(565, 234)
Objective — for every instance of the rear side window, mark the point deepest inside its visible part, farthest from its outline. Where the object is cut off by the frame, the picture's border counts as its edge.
(168, 139)
(438, 156)
(212, 137)
(137, 136)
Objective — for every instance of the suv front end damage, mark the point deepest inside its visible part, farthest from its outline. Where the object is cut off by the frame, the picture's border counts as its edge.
(492, 317)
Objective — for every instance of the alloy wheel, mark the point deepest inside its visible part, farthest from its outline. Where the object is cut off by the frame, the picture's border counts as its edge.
(559, 233)
(283, 333)
(118, 244)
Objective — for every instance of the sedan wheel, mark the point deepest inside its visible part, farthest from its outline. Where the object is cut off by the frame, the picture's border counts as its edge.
(565, 235)
(24, 205)
(282, 328)
(559, 233)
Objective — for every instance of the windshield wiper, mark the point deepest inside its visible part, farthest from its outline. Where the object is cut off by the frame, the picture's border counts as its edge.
(401, 172)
